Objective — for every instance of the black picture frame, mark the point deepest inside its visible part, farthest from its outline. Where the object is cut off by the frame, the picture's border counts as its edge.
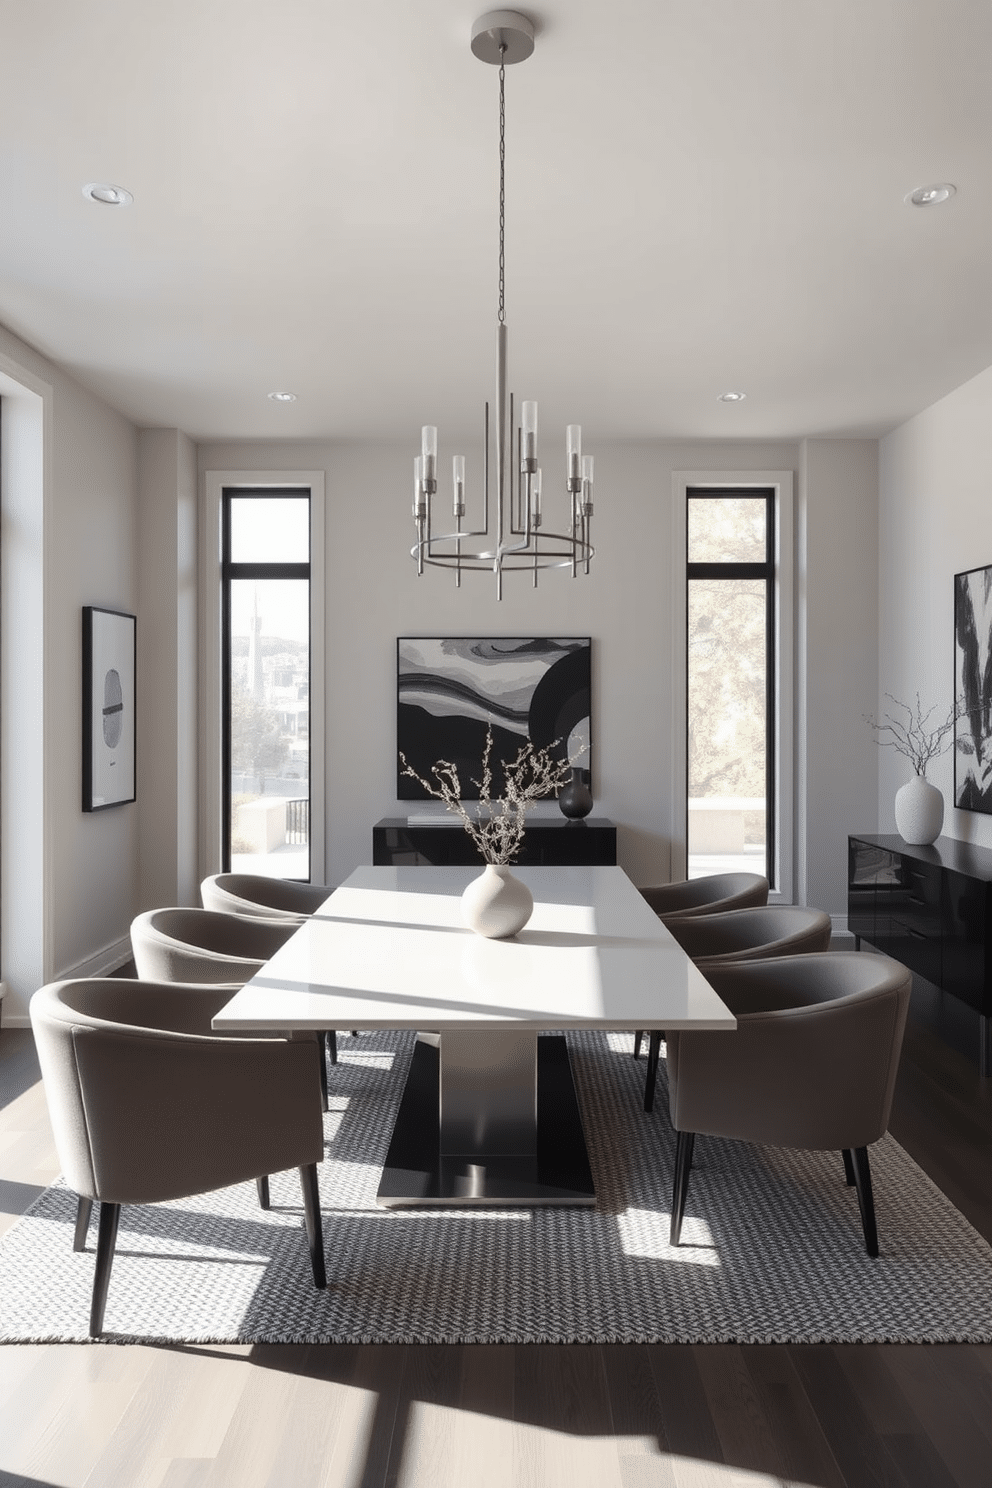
(973, 690)
(109, 708)
(451, 689)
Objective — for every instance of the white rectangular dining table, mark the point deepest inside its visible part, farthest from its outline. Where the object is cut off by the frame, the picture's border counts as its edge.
(489, 1115)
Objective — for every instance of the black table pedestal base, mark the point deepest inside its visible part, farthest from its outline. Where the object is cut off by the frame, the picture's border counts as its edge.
(416, 1175)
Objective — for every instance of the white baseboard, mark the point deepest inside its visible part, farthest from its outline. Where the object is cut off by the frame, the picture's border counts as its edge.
(102, 963)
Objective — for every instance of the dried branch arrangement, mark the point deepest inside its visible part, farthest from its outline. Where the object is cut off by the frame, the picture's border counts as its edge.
(499, 830)
(913, 734)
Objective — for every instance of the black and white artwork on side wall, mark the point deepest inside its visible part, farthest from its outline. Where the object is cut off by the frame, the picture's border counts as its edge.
(973, 690)
(108, 708)
(450, 689)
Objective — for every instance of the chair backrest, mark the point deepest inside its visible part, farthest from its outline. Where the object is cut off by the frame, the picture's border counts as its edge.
(813, 1061)
(710, 895)
(747, 934)
(200, 945)
(268, 898)
(147, 1104)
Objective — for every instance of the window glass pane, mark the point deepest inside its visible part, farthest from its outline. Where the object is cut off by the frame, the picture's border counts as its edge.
(270, 529)
(727, 529)
(727, 681)
(269, 783)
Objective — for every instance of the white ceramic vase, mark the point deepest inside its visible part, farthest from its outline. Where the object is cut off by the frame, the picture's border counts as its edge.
(496, 904)
(919, 811)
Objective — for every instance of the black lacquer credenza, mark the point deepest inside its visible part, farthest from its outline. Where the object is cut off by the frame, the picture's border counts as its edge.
(931, 909)
(548, 841)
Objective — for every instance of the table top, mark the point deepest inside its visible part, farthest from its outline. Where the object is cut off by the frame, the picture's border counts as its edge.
(388, 950)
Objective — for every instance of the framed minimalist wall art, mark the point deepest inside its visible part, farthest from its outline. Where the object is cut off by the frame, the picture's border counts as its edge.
(973, 690)
(108, 708)
(450, 689)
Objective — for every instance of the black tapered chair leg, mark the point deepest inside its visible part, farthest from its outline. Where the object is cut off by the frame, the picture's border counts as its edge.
(332, 1044)
(315, 1233)
(680, 1187)
(650, 1079)
(638, 1039)
(848, 1167)
(262, 1185)
(106, 1241)
(866, 1203)
(323, 1070)
(83, 1211)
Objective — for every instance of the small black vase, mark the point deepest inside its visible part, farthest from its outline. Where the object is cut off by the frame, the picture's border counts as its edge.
(575, 799)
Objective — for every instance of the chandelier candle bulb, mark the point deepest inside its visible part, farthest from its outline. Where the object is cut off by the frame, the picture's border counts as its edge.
(428, 438)
(573, 450)
(535, 498)
(587, 485)
(419, 504)
(458, 484)
(528, 429)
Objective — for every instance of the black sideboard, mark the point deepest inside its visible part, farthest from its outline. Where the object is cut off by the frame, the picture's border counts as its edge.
(931, 909)
(548, 841)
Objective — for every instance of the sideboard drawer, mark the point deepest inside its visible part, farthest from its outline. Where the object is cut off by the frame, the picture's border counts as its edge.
(966, 943)
(929, 907)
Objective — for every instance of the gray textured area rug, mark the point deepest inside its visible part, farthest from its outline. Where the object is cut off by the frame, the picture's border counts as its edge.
(772, 1250)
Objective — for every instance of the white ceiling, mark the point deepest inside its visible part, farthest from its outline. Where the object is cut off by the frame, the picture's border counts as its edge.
(701, 195)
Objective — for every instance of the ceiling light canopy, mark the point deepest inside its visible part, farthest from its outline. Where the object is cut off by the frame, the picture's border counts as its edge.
(282, 397)
(106, 195)
(931, 196)
(732, 397)
(518, 538)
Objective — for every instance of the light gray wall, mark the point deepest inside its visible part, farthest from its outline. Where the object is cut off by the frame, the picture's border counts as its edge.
(89, 530)
(837, 600)
(374, 595)
(935, 520)
(167, 668)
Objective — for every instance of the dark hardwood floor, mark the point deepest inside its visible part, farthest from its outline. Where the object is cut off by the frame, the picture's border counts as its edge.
(628, 1416)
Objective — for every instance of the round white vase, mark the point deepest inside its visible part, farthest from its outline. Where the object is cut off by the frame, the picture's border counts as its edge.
(919, 811)
(496, 904)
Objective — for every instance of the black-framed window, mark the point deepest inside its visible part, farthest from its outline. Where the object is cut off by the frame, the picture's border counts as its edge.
(265, 680)
(730, 681)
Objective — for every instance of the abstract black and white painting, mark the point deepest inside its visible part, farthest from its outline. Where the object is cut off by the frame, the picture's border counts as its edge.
(108, 708)
(973, 690)
(450, 689)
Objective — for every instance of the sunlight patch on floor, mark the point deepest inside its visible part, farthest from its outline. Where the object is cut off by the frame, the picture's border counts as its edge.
(644, 1233)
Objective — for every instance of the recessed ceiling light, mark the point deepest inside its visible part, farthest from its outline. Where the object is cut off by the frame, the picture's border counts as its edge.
(732, 397)
(283, 397)
(931, 196)
(107, 195)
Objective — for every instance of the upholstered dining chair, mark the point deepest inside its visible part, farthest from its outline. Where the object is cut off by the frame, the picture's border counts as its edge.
(147, 1105)
(268, 898)
(711, 894)
(812, 1064)
(738, 935)
(200, 945)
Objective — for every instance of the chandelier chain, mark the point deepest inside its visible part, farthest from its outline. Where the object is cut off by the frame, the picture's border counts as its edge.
(502, 186)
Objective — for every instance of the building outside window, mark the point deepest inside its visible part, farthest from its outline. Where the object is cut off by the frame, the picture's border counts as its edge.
(731, 651)
(265, 619)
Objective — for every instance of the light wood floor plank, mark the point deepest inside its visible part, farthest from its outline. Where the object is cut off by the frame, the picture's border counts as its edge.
(805, 1451)
(739, 1418)
(59, 1425)
(564, 1420)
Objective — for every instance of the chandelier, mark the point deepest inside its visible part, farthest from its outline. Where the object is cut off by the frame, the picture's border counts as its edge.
(516, 537)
